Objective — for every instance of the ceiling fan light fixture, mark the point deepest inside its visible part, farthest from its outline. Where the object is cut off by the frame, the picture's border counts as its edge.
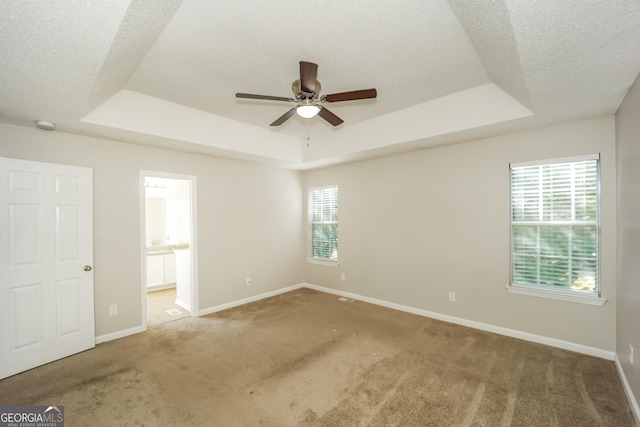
(308, 111)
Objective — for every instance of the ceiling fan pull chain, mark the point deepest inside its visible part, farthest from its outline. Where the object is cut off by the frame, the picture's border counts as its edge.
(308, 132)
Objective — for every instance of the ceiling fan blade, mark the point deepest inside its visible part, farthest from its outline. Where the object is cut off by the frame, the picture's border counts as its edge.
(283, 118)
(308, 75)
(353, 95)
(330, 117)
(265, 97)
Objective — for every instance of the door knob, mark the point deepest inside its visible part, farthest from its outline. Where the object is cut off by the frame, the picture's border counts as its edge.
(87, 268)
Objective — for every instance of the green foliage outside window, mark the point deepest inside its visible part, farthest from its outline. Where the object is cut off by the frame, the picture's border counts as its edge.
(554, 225)
(324, 223)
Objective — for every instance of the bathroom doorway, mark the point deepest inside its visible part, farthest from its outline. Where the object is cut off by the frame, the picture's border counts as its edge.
(168, 247)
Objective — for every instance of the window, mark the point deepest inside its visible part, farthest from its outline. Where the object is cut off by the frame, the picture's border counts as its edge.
(323, 213)
(555, 225)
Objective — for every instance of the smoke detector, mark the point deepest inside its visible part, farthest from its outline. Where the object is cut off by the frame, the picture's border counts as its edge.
(45, 125)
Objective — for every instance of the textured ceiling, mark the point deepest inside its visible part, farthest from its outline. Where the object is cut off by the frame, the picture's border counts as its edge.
(165, 72)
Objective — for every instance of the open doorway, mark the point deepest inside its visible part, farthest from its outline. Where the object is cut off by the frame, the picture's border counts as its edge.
(168, 247)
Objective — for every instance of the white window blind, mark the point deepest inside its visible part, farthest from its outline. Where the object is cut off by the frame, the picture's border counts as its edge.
(555, 225)
(324, 223)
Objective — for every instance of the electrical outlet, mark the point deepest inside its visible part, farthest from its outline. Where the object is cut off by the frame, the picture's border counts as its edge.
(631, 354)
(249, 281)
(452, 297)
(113, 310)
(343, 276)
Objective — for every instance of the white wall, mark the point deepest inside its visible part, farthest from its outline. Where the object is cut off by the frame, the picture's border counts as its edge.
(177, 225)
(413, 227)
(628, 166)
(156, 220)
(167, 220)
(249, 218)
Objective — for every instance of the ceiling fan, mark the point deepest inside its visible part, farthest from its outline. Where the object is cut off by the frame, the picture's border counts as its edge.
(307, 98)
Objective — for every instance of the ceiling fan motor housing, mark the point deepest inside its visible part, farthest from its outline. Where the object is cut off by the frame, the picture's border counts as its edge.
(296, 87)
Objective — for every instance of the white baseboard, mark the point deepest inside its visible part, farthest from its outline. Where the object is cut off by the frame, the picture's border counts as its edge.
(160, 287)
(120, 334)
(579, 348)
(627, 389)
(183, 304)
(236, 303)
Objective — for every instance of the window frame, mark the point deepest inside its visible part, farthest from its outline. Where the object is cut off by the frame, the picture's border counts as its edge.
(310, 257)
(548, 291)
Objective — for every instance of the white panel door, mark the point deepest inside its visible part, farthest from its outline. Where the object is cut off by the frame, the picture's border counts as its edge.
(46, 258)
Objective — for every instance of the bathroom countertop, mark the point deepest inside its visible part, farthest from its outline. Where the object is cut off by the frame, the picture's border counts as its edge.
(165, 249)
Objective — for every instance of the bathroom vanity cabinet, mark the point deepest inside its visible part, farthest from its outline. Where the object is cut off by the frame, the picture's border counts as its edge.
(161, 271)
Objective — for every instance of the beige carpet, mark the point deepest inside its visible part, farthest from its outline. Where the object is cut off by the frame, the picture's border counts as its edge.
(307, 359)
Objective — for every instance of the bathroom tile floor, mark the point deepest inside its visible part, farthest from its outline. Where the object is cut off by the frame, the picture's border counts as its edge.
(161, 307)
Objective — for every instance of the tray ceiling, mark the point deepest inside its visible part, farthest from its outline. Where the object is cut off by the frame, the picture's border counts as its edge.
(165, 73)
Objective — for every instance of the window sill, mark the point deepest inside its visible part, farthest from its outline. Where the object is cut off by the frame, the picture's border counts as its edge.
(320, 261)
(562, 295)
